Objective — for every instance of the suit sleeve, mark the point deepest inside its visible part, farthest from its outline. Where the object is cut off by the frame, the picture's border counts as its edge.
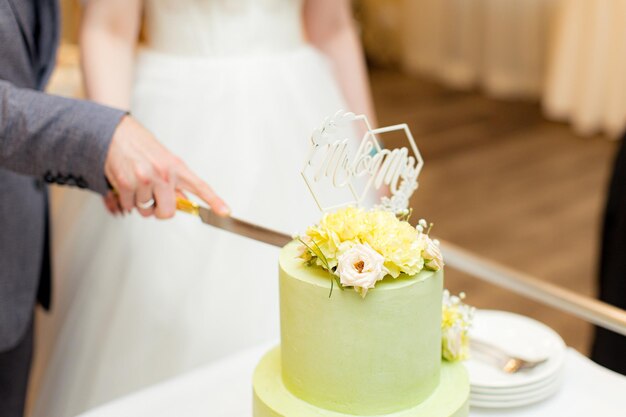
(54, 138)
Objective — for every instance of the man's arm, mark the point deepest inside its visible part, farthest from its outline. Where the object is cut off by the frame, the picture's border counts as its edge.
(50, 137)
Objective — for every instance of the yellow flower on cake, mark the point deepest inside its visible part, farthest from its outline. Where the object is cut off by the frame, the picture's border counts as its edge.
(396, 240)
(343, 225)
(455, 344)
(456, 319)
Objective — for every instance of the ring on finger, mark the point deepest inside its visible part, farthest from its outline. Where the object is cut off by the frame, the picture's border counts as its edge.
(147, 205)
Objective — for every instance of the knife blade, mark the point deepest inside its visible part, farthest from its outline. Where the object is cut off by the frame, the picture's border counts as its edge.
(233, 225)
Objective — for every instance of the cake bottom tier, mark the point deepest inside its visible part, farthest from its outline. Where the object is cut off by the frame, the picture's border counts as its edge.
(273, 399)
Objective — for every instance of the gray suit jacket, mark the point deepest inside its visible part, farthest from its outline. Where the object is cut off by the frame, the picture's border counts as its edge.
(42, 139)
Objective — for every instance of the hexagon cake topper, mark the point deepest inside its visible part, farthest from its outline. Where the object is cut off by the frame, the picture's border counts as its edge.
(335, 165)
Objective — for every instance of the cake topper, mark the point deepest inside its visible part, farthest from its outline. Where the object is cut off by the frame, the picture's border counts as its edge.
(339, 174)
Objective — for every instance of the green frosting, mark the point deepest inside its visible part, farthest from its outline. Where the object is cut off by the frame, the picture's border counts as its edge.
(273, 399)
(372, 356)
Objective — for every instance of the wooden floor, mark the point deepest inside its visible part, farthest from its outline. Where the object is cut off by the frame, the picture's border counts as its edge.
(504, 183)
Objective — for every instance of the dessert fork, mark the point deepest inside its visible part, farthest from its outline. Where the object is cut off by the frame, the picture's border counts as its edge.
(503, 360)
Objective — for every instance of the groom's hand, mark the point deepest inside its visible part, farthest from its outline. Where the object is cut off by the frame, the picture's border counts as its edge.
(143, 171)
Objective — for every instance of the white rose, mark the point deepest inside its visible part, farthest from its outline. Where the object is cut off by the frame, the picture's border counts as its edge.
(360, 267)
(431, 253)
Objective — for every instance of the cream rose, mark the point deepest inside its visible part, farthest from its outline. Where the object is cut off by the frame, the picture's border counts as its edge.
(431, 253)
(360, 267)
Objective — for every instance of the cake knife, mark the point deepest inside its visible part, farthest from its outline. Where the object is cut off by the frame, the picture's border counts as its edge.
(232, 224)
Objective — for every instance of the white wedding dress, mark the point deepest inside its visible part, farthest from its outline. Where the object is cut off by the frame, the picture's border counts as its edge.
(233, 88)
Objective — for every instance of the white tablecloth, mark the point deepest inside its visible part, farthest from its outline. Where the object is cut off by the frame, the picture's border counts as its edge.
(224, 389)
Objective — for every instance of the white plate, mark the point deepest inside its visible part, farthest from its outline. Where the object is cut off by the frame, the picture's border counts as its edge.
(522, 389)
(518, 335)
(519, 396)
(519, 402)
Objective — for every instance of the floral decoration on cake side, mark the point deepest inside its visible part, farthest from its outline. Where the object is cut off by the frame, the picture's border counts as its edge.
(456, 320)
(361, 247)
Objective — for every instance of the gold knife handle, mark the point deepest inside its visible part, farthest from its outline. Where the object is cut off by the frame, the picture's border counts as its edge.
(182, 204)
(187, 206)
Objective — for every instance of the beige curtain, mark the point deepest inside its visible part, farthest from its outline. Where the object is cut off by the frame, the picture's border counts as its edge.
(586, 75)
(442, 39)
(499, 45)
(570, 54)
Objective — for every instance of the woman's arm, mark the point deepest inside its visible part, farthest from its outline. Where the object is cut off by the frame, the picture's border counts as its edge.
(108, 38)
(329, 26)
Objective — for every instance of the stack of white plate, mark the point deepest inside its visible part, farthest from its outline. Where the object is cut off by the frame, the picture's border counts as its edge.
(520, 336)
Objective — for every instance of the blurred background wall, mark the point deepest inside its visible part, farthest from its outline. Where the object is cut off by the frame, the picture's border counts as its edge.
(568, 54)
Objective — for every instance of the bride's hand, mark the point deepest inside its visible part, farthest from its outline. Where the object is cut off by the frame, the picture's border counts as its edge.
(142, 171)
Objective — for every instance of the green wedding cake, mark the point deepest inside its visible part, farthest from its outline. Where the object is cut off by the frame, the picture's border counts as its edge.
(361, 325)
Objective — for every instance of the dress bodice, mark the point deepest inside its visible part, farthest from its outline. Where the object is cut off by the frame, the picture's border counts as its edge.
(222, 27)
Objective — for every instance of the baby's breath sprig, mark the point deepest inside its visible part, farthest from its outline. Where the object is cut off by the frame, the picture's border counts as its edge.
(424, 227)
(404, 215)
